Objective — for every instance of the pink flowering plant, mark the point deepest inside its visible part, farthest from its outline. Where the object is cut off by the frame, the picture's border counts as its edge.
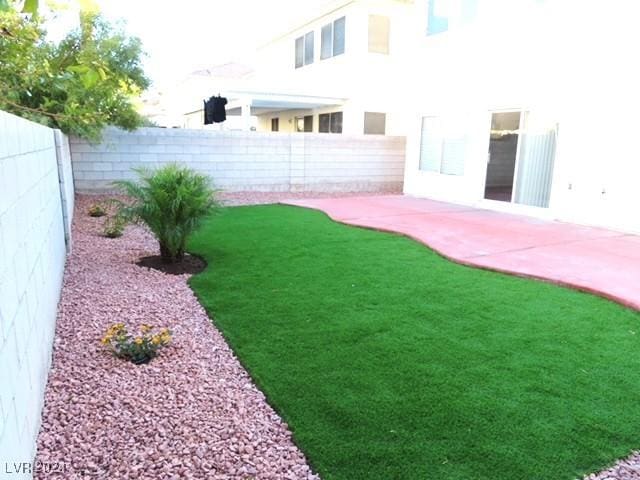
(140, 348)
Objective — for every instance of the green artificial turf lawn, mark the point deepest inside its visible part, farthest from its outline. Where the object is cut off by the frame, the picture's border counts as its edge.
(390, 362)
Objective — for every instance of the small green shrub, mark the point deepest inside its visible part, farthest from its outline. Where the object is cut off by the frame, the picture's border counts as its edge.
(96, 210)
(171, 201)
(137, 349)
(114, 226)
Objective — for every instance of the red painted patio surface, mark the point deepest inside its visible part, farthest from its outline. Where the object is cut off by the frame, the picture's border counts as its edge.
(591, 259)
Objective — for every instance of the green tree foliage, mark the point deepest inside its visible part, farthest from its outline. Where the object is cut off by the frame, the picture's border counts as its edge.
(26, 6)
(172, 201)
(81, 84)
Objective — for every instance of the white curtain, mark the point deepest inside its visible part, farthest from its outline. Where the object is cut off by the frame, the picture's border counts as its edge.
(535, 163)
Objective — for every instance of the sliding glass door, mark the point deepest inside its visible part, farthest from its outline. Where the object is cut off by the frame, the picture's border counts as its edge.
(521, 159)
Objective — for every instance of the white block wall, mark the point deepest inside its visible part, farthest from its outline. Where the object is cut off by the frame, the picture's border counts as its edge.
(352, 163)
(32, 258)
(65, 177)
(243, 161)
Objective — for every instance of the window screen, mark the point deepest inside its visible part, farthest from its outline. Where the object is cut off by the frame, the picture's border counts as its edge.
(308, 123)
(336, 122)
(299, 52)
(339, 36)
(308, 48)
(326, 40)
(324, 122)
(332, 38)
(330, 122)
(378, 34)
(375, 123)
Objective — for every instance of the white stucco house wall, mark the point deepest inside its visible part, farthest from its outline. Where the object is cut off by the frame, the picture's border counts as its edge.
(527, 106)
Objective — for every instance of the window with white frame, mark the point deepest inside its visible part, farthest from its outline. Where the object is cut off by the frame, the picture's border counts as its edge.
(304, 50)
(443, 147)
(442, 13)
(438, 16)
(332, 39)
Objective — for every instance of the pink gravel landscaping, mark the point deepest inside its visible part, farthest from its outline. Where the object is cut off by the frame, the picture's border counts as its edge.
(193, 412)
(261, 198)
(626, 469)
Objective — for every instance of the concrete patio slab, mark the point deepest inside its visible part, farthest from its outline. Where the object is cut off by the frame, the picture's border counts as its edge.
(595, 260)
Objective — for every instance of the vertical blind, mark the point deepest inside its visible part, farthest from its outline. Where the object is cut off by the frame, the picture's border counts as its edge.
(443, 146)
(535, 163)
(454, 150)
(431, 144)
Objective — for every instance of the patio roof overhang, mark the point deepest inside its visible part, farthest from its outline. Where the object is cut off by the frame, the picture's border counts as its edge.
(261, 103)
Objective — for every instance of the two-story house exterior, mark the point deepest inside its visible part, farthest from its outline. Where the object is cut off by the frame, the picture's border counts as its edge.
(334, 71)
(527, 106)
(351, 50)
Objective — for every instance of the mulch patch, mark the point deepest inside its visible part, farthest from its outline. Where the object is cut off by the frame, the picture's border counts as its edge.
(190, 264)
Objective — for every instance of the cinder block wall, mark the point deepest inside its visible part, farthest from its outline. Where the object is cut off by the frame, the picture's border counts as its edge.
(65, 177)
(246, 161)
(32, 258)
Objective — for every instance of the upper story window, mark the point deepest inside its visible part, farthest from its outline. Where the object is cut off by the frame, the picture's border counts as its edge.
(333, 39)
(442, 13)
(379, 27)
(438, 16)
(468, 10)
(304, 50)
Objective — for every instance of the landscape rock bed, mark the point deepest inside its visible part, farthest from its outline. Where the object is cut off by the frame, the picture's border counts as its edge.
(192, 412)
(625, 469)
(261, 198)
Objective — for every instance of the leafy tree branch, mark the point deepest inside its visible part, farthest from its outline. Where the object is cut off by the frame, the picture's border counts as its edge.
(85, 82)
